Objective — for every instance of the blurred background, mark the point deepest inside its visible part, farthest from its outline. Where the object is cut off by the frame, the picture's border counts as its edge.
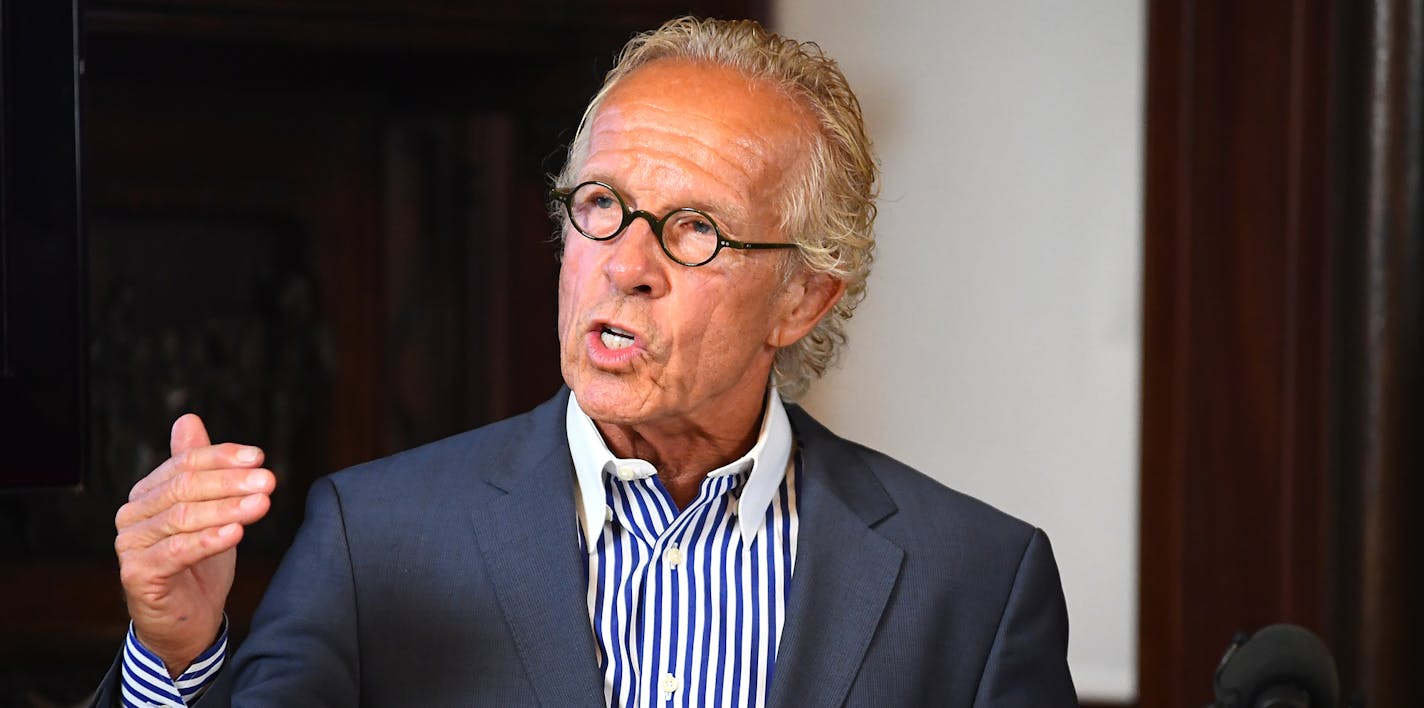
(1150, 275)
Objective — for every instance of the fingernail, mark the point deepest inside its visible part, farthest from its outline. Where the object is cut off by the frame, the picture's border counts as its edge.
(248, 503)
(255, 481)
(228, 530)
(248, 454)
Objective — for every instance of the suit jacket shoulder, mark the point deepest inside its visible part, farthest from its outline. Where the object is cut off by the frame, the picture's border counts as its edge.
(968, 606)
(905, 503)
(451, 570)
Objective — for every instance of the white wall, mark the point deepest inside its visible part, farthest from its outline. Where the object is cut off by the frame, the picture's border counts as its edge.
(998, 349)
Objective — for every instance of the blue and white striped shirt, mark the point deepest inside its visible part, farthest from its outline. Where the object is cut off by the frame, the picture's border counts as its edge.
(688, 605)
(144, 681)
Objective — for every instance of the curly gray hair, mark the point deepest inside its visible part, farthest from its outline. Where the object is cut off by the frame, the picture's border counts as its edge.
(829, 211)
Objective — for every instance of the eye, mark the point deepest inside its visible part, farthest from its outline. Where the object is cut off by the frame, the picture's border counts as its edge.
(691, 224)
(593, 196)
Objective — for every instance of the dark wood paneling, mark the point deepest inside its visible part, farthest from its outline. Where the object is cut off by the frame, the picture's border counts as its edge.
(558, 27)
(1283, 380)
(403, 148)
(1379, 423)
(1234, 456)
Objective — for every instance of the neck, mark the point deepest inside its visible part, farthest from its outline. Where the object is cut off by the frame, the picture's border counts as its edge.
(684, 450)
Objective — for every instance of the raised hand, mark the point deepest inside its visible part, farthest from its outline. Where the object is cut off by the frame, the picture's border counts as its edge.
(177, 540)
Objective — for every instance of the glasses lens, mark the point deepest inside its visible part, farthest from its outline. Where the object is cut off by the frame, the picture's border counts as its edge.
(596, 210)
(690, 236)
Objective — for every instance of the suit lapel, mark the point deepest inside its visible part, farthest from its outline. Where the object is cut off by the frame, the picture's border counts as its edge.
(845, 571)
(526, 533)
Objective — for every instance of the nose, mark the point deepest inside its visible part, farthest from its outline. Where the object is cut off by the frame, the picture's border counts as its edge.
(635, 262)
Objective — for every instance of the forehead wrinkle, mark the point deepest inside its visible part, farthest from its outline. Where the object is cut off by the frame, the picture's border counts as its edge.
(753, 148)
(675, 181)
(645, 172)
(747, 150)
(666, 132)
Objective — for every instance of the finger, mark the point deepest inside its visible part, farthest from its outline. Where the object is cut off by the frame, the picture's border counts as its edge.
(190, 517)
(209, 457)
(188, 432)
(195, 486)
(174, 554)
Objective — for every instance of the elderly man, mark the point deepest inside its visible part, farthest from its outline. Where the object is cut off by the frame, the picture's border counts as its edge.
(666, 531)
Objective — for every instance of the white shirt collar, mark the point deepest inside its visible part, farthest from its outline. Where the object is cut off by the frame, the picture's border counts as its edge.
(767, 460)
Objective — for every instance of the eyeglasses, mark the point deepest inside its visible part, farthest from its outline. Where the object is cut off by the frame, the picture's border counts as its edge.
(688, 236)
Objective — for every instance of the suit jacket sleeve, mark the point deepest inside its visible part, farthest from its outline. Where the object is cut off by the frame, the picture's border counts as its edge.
(302, 650)
(108, 692)
(1027, 663)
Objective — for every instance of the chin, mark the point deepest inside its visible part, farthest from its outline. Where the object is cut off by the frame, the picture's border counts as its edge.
(608, 399)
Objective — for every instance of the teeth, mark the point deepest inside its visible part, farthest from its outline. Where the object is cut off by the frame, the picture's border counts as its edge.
(616, 338)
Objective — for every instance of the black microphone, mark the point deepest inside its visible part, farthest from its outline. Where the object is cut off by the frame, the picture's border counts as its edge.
(1280, 666)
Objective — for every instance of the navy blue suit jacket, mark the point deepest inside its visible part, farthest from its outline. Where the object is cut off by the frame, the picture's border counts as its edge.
(452, 575)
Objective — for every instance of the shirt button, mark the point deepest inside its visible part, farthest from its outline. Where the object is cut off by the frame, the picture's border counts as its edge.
(608, 514)
(670, 684)
(673, 556)
(626, 473)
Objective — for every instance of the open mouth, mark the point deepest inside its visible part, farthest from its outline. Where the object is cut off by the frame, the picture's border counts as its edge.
(615, 338)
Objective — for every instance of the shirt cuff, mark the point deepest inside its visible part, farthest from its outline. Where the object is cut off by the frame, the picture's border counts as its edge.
(144, 681)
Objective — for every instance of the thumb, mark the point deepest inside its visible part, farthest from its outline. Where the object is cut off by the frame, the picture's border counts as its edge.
(188, 433)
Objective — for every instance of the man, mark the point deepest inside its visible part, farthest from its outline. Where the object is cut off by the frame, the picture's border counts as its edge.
(664, 532)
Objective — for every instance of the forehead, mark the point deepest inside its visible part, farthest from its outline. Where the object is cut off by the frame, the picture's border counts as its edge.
(675, 129)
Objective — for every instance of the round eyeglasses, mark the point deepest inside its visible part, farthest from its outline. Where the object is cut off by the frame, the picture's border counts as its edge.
(688, 236)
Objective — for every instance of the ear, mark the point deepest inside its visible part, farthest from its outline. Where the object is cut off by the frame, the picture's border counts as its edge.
(806, 299)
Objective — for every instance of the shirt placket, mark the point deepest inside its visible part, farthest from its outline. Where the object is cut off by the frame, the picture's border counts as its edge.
(665, 577)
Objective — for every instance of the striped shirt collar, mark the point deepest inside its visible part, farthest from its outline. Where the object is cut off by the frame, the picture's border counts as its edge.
(766, 460)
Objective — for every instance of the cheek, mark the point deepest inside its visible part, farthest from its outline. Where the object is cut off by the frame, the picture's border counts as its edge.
(740, 326)
(565, 300)
(724, 331)
(571, 268)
